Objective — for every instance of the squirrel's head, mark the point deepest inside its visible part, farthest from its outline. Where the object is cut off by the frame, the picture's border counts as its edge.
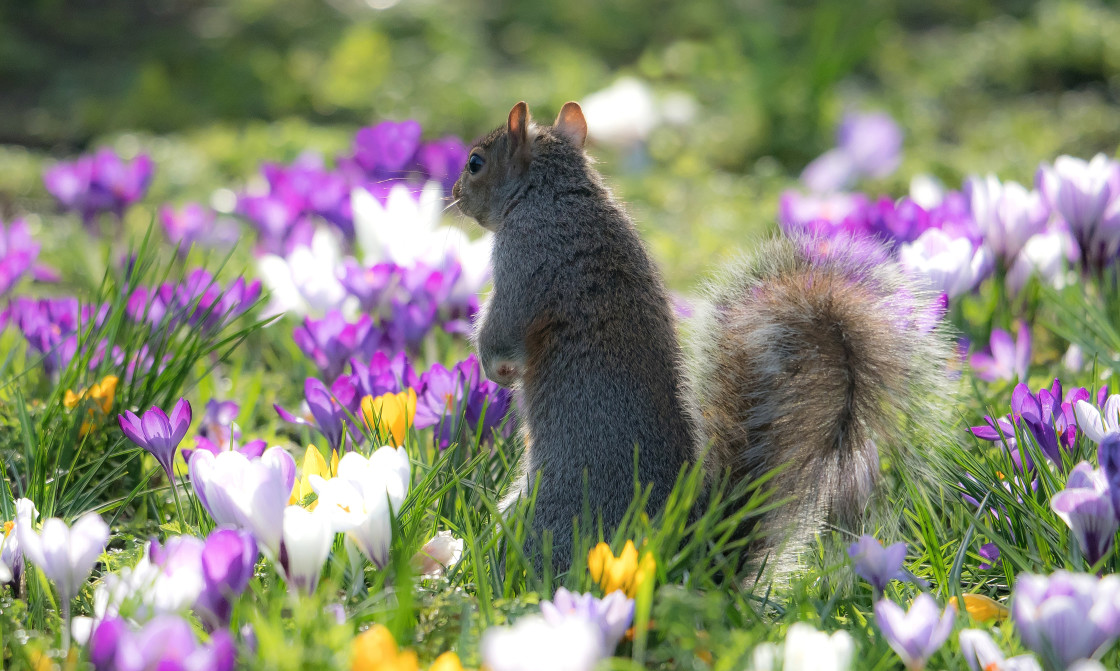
(499, 164)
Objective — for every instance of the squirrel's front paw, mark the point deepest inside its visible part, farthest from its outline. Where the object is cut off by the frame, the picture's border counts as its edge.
(504, 371)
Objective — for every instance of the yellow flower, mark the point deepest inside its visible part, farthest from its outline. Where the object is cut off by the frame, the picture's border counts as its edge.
(984, 609)
(390, 414)
(448, 661)
(624, 572)
(313, 464)
(103, 393)
(375, 650)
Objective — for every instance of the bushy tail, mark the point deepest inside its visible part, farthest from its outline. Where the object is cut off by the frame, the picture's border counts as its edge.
(814, 355)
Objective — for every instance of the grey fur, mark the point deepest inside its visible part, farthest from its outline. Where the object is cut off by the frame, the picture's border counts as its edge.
(580, 320)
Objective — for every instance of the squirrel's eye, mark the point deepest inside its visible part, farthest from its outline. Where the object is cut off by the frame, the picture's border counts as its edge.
(475, 163)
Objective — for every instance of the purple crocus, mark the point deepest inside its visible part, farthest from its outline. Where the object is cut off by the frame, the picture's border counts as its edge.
(990, 553)
(876, 564)
(165, 642)
(383, 375)
(442, 160)
(1007, 358)
(915, 634)
(1007, 214)
(1066, 616)
(330, 408)
(217, 432)
(867, 145)
(99, 183)
(387, 149)
(487, 404)
(953, 265)
(196, 225)
(612, 614)
(1086, 506)
(1039, 412)
(1084, 194)
(1108, 456)
(228, 559)
(331, 341)
(18, 254)
(440, 403)
(369, 285)
(157, 433)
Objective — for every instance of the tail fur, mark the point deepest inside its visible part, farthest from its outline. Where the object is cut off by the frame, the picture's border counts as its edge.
(814, 355)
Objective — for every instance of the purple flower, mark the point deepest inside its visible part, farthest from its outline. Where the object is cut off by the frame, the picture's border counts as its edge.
(194, 224)
(990, 553)
(331, 341)
(388, 148)
(442, 160)
(369, 285)
(1086, 506)
(1065, 617)
(876, 564)
(440, 403)
(1007, 214)
(952, 265)
(867, 145)
(100, 183)
(18, 253)
(1095, 424)
(899, 222)
(1085, 195)
(65, 554)
(487, 403)
(166, 642)
(217, 432)
(1039, 412)
(331, 410)
(1108, 456)
(157, 433)
(383, 375)
(837, 212)
(228, 559)
(915, 634)
(612, 614)
(1006, 359)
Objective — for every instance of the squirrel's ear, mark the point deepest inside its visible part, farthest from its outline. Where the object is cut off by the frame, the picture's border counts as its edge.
(571, 124)
(518, 124)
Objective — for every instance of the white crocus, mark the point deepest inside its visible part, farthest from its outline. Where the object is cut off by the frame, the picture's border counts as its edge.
(622, 114)
(1093, 423)
(66, 554)
(247, 493)
(1044, 255)
(535, 644)
(403, 230)
(952, 265)
(363, 496)
(807, 649)
(306, 282)
(308, 537)
(982, 654)
(438, 555)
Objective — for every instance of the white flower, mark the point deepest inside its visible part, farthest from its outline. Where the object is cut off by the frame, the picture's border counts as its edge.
(438, 555)
(308, 537)
(982, 654)
(1093, 424)
(65, 554)
(1044, 254)
(947, 264)
(306, 282)
(361, 499)
(622, 114)
(5, 573)
(534, 644)
(807, 649)
(403, 230)
(1007, 213)
(926, 191)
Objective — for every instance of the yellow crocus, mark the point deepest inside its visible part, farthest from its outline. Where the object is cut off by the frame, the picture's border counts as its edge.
(313, 464)
(448, 661)
(625, 572)
(984, 609)
(375, 650)
(390, 415)
(103, 393)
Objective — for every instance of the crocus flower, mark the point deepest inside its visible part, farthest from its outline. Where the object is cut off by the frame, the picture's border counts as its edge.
(308, 537)
(440, 403)
(166, 642)
(1040, 412)
(443, 160)
(806, 649)
(951, 265)
(1066, 616)
(439, 554)
(194, 224)
(403, 230)
(1006, 358)
(867, 145)
(228, 559)
(983, 608)
(1081, 193)
(304, 281)
(248, 494)
(876, 564)
(331, 409)
(1007, 213)
(1045, 255)
(157, 433)
(66, 554)
(621, 115)
(1096, 424)
(313, 464)
(18, 254)
(990, 552)
(612, 614)
(364, 495)
(624, 572)
(387, 149)
(382, 374)
(369, 285)
(99, 183)
(375, 650)
(1108, 456)
(390, 415)
(535, 644)
(331, 341)
(11, 555)
(982, 654)
(915, 634)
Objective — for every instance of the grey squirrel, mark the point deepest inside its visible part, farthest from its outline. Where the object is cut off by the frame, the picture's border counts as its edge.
(805, 358)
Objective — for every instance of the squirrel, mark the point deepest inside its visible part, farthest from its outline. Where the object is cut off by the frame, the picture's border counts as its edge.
(809, 354)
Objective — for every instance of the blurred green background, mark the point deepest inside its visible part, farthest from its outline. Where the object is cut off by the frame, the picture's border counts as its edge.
(211, 88)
